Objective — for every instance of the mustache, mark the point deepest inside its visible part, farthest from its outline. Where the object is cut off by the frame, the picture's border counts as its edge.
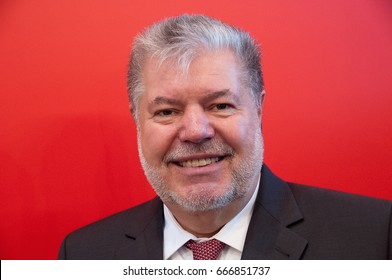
(215, 147)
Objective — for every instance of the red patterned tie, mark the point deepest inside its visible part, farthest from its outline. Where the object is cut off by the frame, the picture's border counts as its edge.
(206, 250)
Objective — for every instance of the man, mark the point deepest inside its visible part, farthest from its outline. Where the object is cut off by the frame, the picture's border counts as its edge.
(196, 95)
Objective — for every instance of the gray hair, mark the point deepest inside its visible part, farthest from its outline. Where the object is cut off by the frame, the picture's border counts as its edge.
(181, 39)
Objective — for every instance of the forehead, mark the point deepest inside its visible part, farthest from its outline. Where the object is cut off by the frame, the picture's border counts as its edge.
(208, 71)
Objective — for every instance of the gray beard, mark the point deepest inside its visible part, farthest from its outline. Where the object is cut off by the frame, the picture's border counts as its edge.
(202, 200)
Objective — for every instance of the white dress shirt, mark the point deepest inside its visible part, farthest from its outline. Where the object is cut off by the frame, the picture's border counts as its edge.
(233, 234)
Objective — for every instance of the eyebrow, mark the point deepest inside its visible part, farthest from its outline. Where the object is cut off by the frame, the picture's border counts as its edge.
(208, 98)
(165, 100)
(216, 94)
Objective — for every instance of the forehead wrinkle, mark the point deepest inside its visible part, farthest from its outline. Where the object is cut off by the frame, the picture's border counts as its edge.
(159, 100)
(220, 93)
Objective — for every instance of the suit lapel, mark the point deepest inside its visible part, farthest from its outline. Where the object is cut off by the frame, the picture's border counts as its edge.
(269, 235)
(144, 239)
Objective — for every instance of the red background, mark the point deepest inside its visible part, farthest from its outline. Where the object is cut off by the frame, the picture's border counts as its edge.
(67, 142)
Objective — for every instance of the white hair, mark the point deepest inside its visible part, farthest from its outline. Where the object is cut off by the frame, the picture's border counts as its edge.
(181, 39)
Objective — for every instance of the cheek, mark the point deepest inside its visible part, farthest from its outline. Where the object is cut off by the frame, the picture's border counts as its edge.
(156, 142)
(240, 132)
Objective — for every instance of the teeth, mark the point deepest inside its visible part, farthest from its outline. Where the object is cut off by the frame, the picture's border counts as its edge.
(199, 162)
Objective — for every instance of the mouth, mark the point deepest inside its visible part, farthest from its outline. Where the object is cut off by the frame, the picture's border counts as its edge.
(198, 162)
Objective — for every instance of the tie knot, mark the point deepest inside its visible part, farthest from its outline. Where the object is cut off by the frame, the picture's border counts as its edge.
(205, 250)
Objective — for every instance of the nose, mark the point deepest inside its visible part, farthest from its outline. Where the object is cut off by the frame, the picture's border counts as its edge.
(196, 126)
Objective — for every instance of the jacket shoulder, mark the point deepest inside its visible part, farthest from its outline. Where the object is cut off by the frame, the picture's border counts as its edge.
(100, 239)
(133, 217)
(309, 197)
(340, 225)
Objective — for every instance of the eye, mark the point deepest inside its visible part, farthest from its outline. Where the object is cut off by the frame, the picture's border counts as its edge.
(164, 113)
(222, 106)
(223, 109)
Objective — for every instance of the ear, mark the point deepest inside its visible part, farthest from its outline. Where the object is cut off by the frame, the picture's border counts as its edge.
(260, 109)
(131, 109)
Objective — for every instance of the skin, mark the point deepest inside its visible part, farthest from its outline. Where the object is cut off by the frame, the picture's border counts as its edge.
(206, 107)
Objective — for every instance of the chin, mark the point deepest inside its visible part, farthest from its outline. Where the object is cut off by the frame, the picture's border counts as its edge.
(203, 199)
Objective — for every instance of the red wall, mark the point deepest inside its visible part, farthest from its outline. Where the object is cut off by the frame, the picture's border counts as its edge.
(67, 142)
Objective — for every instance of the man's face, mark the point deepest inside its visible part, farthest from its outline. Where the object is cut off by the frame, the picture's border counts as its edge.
(199, 133)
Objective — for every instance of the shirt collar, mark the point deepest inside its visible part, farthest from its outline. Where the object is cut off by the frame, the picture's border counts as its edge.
(232, 234)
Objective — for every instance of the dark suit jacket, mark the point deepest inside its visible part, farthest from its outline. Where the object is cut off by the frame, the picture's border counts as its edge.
(289, 221)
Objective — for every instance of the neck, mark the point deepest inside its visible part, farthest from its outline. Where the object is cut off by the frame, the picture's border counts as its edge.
(208, 223)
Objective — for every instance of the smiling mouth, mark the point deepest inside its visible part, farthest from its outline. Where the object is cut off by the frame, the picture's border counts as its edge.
(198, 162)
